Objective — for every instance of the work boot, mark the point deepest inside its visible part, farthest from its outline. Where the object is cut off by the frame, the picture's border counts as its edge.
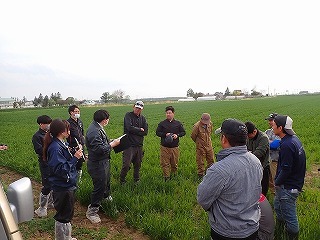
(43, 205)
(92, 214)
(292, 236)
(50, 201)
(63, 231)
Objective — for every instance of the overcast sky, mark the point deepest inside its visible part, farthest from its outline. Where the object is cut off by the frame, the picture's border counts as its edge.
(157, 48)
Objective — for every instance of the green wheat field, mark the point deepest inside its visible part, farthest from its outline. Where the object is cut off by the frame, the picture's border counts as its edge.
(169, 210)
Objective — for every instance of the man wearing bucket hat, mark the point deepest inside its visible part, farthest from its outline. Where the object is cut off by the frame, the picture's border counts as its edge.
(231, 188)
(201, 135)
(289, 178)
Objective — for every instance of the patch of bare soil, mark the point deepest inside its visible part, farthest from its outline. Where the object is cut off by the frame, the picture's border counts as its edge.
(117, 229)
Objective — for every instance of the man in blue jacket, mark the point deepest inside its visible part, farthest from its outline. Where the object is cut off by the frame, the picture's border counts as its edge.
(289, 178)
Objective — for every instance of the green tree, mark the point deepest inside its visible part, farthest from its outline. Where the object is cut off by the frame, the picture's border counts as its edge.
(106, 97)
(190, 93)
(227, 92)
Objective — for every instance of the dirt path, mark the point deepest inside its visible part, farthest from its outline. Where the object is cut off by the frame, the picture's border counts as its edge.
(117, 229)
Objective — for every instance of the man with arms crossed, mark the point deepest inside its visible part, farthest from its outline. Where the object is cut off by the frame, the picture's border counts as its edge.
(231, 189)
(136, 127)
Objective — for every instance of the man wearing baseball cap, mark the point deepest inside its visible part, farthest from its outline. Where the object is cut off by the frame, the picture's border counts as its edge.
(274, 142)
(289, 178)
(136, 127)
(231, 188)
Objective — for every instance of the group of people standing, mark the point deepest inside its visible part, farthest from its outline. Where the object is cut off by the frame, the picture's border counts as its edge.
(60, 146)
(234, 189)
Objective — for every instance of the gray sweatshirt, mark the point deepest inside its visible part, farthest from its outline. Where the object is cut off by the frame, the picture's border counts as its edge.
(230, 192)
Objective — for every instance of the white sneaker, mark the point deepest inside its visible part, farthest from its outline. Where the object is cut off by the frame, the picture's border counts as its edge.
(93, 218)
(41, 212)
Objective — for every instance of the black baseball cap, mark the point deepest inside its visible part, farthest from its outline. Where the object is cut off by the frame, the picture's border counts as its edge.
(232, 127)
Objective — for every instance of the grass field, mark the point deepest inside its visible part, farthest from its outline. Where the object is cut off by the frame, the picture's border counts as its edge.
(170, 210)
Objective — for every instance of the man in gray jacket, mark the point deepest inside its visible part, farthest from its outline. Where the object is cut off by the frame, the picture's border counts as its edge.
(231, 189)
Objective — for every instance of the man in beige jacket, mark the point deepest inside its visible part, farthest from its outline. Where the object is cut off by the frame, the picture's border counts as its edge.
(201, 135)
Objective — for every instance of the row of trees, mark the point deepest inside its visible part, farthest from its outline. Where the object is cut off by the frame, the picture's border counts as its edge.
(55, 99)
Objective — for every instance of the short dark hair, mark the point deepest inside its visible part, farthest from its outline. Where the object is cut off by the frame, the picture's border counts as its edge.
(235, 131)
(236, 140)
(44, 119)
(170, 108)
(72, 108)
(250, 126)
(100, 115)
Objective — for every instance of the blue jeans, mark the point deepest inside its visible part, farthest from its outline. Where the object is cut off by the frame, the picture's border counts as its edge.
(286, 208)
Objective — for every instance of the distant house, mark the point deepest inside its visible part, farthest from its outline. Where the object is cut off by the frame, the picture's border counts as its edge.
(303, 92)
(6, 102)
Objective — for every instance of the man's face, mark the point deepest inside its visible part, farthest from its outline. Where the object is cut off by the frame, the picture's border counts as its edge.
(276, 130)
(169, 115)
(75, 113)
(253, 134)
(137, 111)
(270, 122)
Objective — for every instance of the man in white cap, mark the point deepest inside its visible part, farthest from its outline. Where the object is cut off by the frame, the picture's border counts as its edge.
(136, 127)
(201, 135)
(289, 178)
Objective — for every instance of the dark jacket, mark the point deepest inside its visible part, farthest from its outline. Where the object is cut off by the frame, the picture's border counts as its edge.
(37, 141)
(76, 131)
(259, 146)
(132, 127)
(291, 164)
(97, 143)
(62, 166)
(174, 127)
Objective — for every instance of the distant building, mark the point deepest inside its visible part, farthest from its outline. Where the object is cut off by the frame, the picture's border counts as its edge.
(188, 99)
(234, 97)
(207, 98)
(6, 102)
(89, 102)
(303, 92)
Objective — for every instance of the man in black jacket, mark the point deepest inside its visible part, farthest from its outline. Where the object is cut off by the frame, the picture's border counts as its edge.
(136, 127)
(170, 130)
(76, 136)
(37, 141)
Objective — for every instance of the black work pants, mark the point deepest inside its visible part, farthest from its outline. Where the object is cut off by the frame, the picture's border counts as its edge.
(44, 171)
(216, 236)
(100, 174)
(132, 155)
(64, 205)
